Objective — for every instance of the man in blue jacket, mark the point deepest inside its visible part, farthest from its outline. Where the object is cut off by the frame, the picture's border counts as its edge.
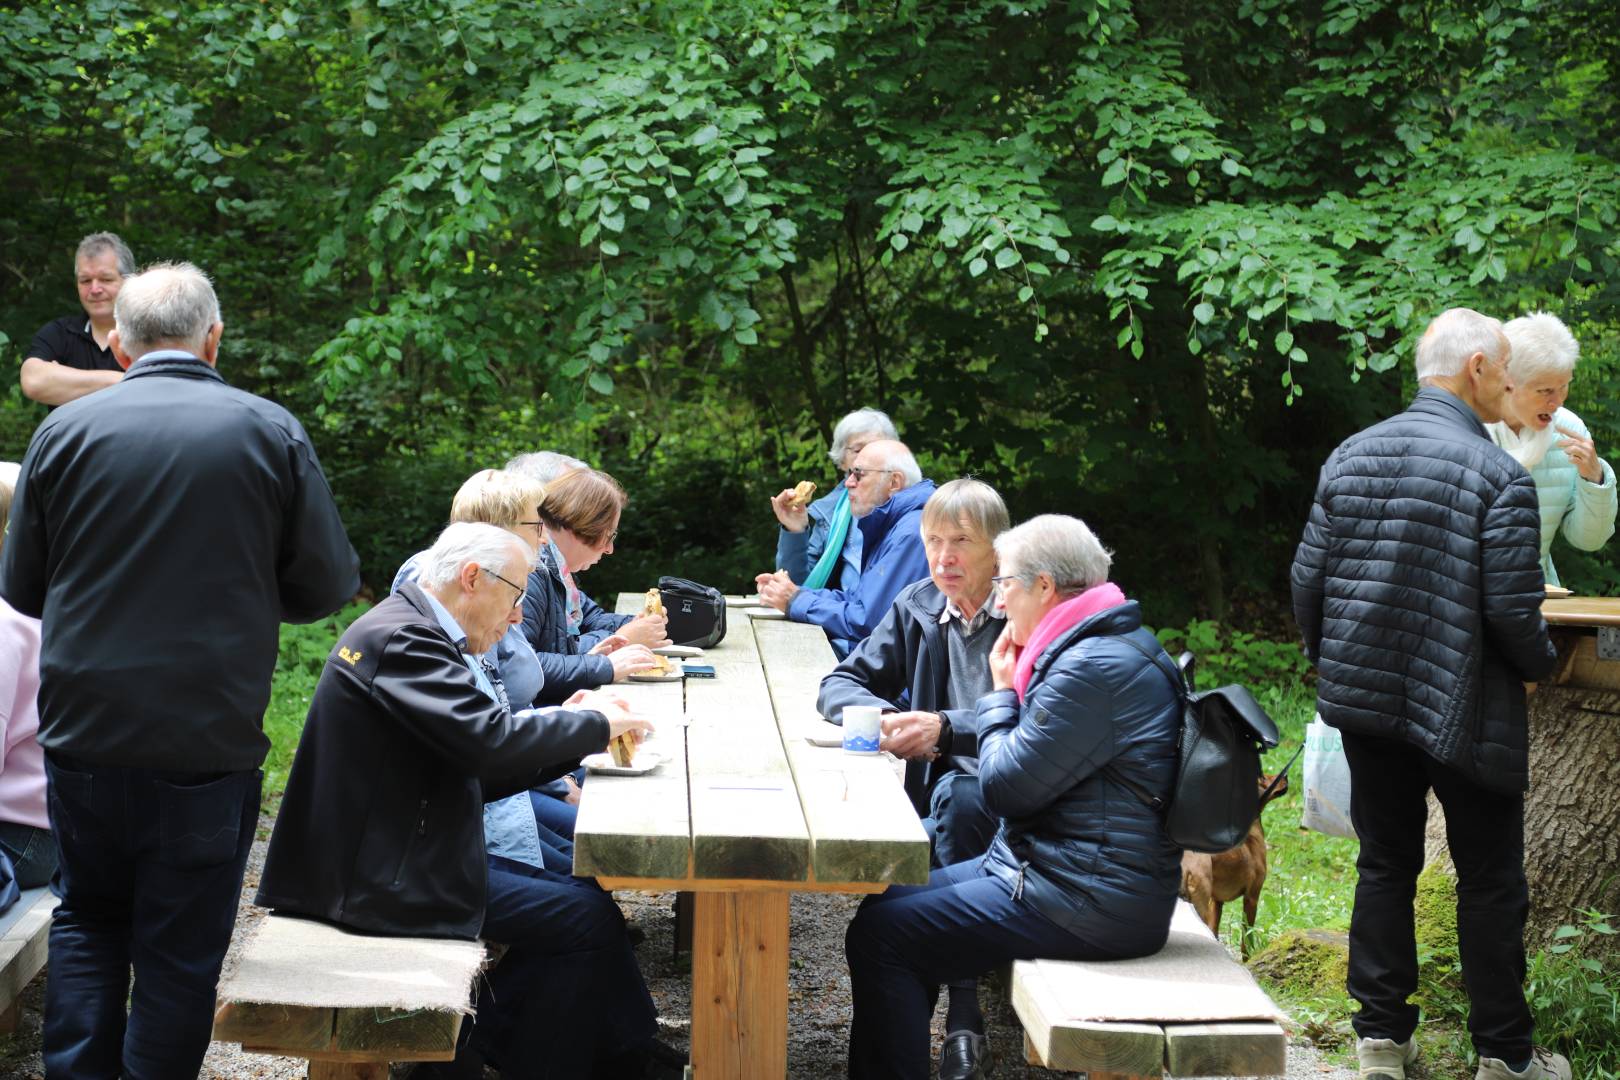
(886, 495)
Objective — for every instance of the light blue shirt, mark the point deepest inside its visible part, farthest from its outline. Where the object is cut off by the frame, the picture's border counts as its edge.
(509, 826)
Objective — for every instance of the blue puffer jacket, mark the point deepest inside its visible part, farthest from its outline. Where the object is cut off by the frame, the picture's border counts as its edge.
(892, 558)
(1081, 848)
(545, 625)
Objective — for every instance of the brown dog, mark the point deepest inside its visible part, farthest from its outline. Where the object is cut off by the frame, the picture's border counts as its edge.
(1209, 881)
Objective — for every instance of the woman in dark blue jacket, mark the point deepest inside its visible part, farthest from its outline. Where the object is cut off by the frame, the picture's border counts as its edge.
(1081, 868)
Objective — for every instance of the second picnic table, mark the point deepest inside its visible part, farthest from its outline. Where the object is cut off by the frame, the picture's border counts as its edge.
(743, 812)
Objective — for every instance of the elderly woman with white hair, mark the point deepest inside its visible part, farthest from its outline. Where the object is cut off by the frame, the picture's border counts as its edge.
(1575, 487)
(1081, 868)
(819, 545)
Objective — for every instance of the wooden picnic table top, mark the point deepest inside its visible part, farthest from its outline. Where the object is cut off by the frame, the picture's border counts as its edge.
(1582, 611)
(743, 801)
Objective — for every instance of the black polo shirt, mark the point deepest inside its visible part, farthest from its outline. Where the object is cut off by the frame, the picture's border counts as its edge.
(68, 341)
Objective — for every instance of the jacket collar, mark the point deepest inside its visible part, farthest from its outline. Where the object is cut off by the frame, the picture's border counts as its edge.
(172, 362)
(876, 524)
(927, 602)
(1121, 619)
(1443, 404)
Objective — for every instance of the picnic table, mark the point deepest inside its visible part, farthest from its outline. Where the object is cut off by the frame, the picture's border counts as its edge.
(743, 811)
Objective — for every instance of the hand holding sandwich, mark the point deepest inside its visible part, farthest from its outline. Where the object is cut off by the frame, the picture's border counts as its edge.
(791, 506)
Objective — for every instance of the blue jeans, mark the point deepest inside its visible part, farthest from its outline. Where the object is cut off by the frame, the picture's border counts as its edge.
(568, 993)
(905, 942)
(32, 852)
(150, 877)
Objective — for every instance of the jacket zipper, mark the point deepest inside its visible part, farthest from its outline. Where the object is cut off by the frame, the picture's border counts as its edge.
(1018, 886)
(421, 830)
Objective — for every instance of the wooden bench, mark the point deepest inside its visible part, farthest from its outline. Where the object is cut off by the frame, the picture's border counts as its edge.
(348, 1003)
(24, 929)
(1188, 1010)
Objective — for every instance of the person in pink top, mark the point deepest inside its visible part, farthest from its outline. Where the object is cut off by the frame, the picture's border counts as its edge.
(25, 828)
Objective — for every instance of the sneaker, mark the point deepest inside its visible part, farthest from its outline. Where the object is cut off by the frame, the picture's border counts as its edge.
(1544, 1065)
(1386, 1057)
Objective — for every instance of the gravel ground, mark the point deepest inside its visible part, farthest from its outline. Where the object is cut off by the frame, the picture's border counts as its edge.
(818, 999)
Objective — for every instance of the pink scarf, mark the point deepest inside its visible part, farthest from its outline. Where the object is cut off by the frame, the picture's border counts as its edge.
(1061, 619)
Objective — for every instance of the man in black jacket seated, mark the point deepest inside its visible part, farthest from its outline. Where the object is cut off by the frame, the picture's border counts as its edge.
(927, 664)
(1418, 590)
(381, 828)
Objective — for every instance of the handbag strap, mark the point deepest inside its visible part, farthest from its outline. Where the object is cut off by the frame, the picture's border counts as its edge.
(1152, 801)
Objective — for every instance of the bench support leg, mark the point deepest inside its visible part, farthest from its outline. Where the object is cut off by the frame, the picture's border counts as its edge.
(348, 1070)
(739, 986)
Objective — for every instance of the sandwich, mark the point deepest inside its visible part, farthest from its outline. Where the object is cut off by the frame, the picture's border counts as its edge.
(660, 665)
(622, 748)
(654, 604)
(802, 492)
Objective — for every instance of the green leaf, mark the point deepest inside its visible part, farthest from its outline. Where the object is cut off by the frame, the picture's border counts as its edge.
(978, 266)
(601, 382)
(1025, 293)
(898, 241)
(608, 247)
(1006, 257)
(1285, 341)
(705, 135)
(1115, 173)
(1104, 223)
(1204, 312)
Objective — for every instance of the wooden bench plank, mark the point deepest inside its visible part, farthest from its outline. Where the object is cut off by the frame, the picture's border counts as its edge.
(295, 1030)
(23, 944)
(1132, 1049)
(1236, 1049)
(862, 826)
(746, 818)
(397, 1034)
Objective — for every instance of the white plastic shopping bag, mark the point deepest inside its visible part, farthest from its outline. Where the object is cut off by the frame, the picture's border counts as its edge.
(1327, 782)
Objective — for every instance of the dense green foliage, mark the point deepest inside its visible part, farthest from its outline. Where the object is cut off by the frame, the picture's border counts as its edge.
(1088, 250)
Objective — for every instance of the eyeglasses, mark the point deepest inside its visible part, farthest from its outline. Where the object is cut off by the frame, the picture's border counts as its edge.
(858, 474)
(520, 590)
(1000, 582)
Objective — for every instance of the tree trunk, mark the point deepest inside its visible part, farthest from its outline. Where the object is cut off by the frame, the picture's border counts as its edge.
(1572, 810)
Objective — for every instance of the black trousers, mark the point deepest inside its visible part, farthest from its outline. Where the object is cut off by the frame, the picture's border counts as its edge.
(1389, 786)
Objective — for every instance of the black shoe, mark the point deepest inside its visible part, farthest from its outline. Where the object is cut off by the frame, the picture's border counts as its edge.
(965, 1056)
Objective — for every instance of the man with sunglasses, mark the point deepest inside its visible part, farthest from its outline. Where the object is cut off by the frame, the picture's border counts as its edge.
(886, 496)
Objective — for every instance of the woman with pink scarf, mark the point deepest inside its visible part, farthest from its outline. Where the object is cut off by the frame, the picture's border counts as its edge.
(1081, 868)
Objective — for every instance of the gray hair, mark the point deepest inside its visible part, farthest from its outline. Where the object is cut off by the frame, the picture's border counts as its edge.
(1542, 345)
(971, 500)
(463, 542)
(1059, 546)
(860, 422)
(1454, 336)
(544, 465)
(97, 242)
(167, 304)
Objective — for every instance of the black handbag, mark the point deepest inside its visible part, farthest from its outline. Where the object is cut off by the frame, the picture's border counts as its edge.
(1216, 794)
(696, 613)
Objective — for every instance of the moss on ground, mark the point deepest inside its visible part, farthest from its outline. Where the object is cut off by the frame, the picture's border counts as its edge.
(1440, 986)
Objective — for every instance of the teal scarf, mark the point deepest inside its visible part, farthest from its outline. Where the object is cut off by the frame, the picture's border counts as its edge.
(837, 533)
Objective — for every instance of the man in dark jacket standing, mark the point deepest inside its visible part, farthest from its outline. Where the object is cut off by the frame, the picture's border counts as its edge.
(1418, 589)
(886, 495)
(927, 665)
(163, 528)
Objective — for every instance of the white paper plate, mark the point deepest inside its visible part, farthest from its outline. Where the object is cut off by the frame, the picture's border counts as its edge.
(646, 760)
(742, 601)
(764, 613)
(679, 650)
(676, 673)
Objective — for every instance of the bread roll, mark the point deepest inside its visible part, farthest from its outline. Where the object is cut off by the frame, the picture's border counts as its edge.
(802, 493)
(654, 604)
(622, 748)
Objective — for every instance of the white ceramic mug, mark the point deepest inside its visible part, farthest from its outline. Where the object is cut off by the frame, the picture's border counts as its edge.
(863, 726)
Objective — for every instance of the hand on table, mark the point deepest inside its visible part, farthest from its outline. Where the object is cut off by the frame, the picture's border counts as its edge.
(649, 630)
(776, 590)
(912, 735)
(611, 643)
(1003, 660)
(792, 520)
(1582, 453)
(609, 705)
(630, 659)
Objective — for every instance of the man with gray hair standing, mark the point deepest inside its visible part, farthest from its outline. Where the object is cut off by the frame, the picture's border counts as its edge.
(1418, 590)
(886, 496)
(162, 530)
(70, 357)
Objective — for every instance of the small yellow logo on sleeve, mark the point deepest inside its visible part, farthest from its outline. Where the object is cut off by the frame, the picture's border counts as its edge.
(352, 657)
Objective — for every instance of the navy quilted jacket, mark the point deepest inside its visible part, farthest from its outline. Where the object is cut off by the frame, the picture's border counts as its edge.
(1081, 848)
(1418, 589)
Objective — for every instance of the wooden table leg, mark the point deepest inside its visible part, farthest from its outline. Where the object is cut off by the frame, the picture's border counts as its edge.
(739, 986)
